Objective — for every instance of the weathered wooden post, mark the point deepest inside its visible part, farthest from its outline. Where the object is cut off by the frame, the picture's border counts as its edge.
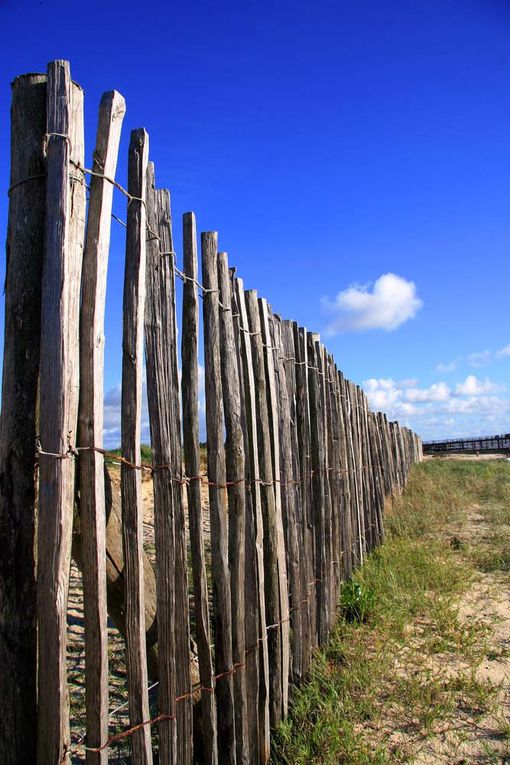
(191, 445)
(131, 489)
(216, 471)
(59, 384)
(25, 236)
(92, 488)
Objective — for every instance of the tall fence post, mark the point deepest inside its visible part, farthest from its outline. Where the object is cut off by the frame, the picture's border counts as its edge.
(236, 475)
(158, 343)
(92, 490)
(25, 236)
(59, 381)
(131, 481)
(216, 471)
(191, 444)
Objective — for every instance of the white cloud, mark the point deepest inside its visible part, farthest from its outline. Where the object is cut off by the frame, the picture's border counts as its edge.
(445, 368)
(391, 302)
(504, 351)
(436, 392)
(472, 386)
(439, 411)
(480, 359)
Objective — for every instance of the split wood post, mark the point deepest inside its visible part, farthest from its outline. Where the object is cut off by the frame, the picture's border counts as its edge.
(158, 347)
(291, 488)
(273, 613)
(266, 322)
(131, 482)
(182, 625)
(343, 466)
(318, 496)
(90, 423)
(25, 237)
(377, 461)
(356, 491)
(191, 441)
(257, 671)
(218, 502)
(303, 429)
(333, 452)
(326, 483)
(59, 382)
(236, 474)
(366, 468)
(382, 422)
(351, 477)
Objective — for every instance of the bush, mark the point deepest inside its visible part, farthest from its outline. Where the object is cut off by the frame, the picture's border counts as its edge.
(356, 601)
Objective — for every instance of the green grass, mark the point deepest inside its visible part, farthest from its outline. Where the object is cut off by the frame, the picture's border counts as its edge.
(145, 453)
(385, 667)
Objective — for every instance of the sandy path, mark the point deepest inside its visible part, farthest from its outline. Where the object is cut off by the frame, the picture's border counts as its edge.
(473, 736)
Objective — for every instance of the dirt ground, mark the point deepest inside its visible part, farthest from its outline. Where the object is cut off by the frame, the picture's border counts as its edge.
(475, 739)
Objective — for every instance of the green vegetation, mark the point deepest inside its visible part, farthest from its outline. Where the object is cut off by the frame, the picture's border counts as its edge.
(145, 453)
(401, 664)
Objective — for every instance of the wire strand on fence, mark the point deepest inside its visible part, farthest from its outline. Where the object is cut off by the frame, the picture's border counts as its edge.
(74, 451)
(236, 667)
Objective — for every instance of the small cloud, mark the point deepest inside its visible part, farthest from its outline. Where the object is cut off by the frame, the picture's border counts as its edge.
(436, 392)
(445, 368)
(391, 302)
(472, 386)
(480, 359)
(504, 351)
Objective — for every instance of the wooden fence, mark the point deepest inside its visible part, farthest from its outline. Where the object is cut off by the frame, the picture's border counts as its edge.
(298, 467)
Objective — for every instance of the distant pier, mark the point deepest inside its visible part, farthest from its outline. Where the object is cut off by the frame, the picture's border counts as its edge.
(488, 444)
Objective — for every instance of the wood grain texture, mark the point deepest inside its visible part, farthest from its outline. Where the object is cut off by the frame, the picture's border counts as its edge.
(268, 342)
(59, 381)
(182, 626)
(22, 328)
(318, 485)
(291, 489)
(255, 622)
(235, 473)
(158, 342)
(303, 430)
(345, 467)
(131, 489)
(267, 494)
(191, 444)
(90, 423)
(218, 502)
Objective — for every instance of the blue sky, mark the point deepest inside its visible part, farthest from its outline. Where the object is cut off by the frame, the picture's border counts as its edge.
(353, 155)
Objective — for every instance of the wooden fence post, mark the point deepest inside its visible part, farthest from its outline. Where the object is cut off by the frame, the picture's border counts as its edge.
(131, 482)
(92, 490)
(25, 236)
(59, 382)
(255, 618)
(218, 502)
(303, 430)
(236, 475)
(292, 513)
(273, 613)
(266, 322)
(191, 443)
(158, 343)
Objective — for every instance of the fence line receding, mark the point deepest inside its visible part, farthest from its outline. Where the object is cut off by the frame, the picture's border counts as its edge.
(219, 620)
